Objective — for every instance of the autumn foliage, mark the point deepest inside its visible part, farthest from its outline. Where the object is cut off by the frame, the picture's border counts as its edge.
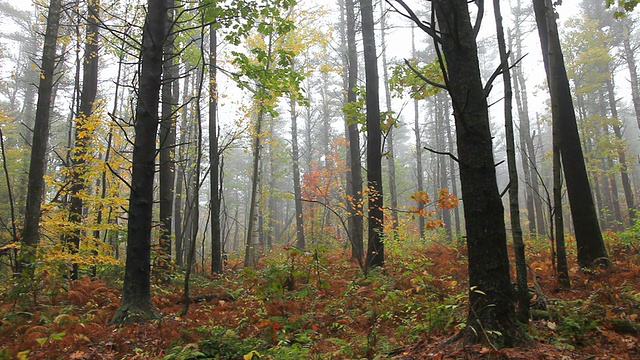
(317, 304)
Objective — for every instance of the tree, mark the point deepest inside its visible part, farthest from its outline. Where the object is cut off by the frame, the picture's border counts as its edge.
(167, 141)
(375, 245)
(491, 299)
(214, 154)
(591, 249)
(354, 181)
(136, 296)
(82, 131)
(35, 187)
(522, 293)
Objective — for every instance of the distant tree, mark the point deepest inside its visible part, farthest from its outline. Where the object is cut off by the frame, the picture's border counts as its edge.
(136, 296)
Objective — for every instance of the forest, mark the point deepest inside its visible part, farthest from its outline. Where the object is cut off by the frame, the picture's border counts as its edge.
(304, 179)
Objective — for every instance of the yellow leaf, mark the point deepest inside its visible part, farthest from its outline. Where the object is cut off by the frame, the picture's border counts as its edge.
(551, 325)
(252, 355)
(23, 355)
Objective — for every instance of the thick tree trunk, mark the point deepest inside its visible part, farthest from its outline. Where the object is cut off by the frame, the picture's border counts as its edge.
(491, 295)
(591, 249)
(35, 186)
(375, 248)
(136, 297)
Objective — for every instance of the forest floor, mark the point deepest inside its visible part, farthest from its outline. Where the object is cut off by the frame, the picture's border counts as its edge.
(318, 305)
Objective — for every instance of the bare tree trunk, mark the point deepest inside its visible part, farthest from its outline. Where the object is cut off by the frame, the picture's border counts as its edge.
(375, 248)
(300, 242)
(393, 197)
(167, 145)
(629, 57)
(217, 250)
(136, 297)
(356, 225)
(522, 290)
(622, 157)
(591, 249)
(35, 187)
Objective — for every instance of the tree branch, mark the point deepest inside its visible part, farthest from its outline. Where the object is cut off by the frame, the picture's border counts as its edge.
(443, 153)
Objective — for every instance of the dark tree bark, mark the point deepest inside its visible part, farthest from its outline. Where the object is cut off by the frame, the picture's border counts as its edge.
(491, 295)
(214, 156)
(136, 296)
(591, 248)
(167, 143)
(354, 182)
(522, 289)
(375, 248)
(35, 186)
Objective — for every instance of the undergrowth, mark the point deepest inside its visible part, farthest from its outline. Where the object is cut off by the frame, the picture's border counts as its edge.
(317, 304)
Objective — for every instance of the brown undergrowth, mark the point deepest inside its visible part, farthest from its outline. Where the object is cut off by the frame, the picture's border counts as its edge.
(318, 305)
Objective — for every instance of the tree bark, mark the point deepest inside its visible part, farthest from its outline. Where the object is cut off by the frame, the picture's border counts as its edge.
(393, 197)
(35, 186)
(491, 295)
(356, 221)
(522, 289)
(375, 248)
(167, 144)
(591, 249)
(136, 297)
(214, 156)
(622, 157)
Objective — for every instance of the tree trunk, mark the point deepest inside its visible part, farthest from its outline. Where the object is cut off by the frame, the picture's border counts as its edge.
(375, 248)
(591, 249)
(136, 296)
(214, 156)
(167, 144)
(629, 57)
(393, 197)
(491, 295)
(356, 222)
(561, 253)
(300, 242)
(82, 132)
(522, 290)
(179, 179)
(622, 157)
(35, 187)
